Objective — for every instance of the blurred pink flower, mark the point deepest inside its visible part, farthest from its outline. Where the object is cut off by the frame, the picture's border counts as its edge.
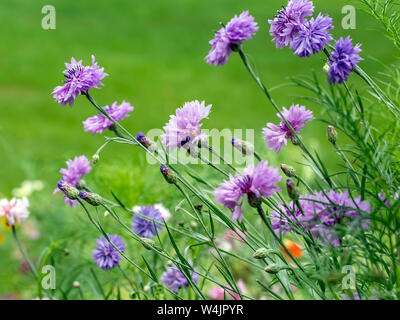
(219, 293)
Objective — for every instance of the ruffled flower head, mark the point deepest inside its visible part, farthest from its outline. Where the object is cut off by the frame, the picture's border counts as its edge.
(343, 60)
(313, 36)
(14, 211)
(238, 29)
(254, 182)
(175, 279)
(183, 128)
(74, 172)
(105, 255)
(277, 136)
(147, 228)
(100, 122)
(78, 79)
(289, 20)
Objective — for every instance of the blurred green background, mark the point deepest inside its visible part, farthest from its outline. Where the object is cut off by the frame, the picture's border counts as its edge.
(154, 55)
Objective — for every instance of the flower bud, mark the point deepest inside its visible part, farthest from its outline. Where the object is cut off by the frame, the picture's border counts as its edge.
(253, 200)
(146, 142)
(326, 67)
(76, 284)
(261, 253)
(292, 190)
(288, 170)
(272, 268)
(92, 198)
(71, 192)
(332, 134)
(169, 175)
(148, 243)
(244, 147)
(95, 158)
(296, 140)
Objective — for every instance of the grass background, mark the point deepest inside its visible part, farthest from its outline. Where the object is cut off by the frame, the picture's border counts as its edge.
(154, 53)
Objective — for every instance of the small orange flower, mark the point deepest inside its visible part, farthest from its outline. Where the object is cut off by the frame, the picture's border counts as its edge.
(293, 248)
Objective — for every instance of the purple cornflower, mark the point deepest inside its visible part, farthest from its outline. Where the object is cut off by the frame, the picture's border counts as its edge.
(238, 29)
(276, 136)
(289, 20)
(143, 227)
(77, 168)
(100, 122)
(175, 279)
(321, 214)
(313, 36)
(343, 60)
(183, 129)
(105, 255)
(255, 182)
(78, 79)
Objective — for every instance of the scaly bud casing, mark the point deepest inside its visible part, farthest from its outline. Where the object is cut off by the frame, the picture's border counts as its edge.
(70, 191)
(244, 147)
(288, 171)
(92, 198)
(272, 268)
(169, 175)
(292, 190)
(261, 253)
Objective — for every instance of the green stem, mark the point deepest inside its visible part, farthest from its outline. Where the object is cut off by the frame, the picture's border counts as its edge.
(24, 254)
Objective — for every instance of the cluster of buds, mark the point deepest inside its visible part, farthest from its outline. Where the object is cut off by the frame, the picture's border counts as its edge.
(69, 191)
(146, 142)
(244, 147)
(169, 175)
(92, 198)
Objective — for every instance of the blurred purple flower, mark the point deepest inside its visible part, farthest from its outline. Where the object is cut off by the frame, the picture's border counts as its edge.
(287, 23)
(145, 228)
(99, 123)
(343, 60)
(276, 136)
(255, 182)
(175, 279)
(322, 213)
(105, 255)
(78, 79)
(238, 29)
(313, 36)
(183, 129)
(77, 168)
